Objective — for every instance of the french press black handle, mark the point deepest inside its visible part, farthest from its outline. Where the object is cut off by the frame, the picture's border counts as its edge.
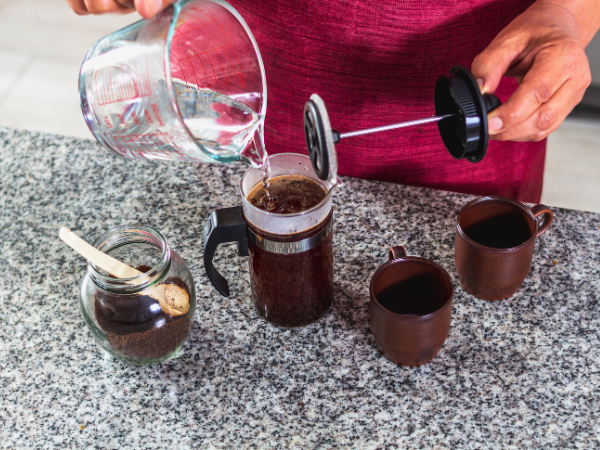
(223, 225)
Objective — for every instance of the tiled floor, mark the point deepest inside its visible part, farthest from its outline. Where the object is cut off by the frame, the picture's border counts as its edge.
(42, 44)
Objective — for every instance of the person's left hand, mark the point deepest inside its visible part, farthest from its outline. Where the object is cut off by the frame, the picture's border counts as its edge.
(543, 48)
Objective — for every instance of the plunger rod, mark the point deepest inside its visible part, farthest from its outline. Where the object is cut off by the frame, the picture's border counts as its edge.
(392, 126)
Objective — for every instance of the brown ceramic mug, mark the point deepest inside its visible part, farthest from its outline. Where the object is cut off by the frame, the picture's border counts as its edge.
(411, 305)
(495, 238)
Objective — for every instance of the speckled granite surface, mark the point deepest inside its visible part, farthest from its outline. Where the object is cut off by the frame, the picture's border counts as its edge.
(521, 373)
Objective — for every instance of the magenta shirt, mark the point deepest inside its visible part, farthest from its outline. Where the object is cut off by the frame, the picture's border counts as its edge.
(375, 62)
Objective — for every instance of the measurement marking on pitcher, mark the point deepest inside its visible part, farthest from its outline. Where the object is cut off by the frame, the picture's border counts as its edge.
(124, 83)
(187, 84)
(240, 75)
(230, 65)
(203, 68)
(194, 71)
(212, 67)
(159, 143)
(209, 56)
(222, 42)
(185, 23)
(225, 79)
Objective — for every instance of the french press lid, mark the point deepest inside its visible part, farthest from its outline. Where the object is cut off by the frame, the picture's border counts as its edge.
(464, 133)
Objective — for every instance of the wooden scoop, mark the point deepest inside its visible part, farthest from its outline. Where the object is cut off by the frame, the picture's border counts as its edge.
(173, 299)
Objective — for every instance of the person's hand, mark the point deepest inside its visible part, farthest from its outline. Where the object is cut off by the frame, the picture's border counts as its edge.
(544, 49)
(146, 8)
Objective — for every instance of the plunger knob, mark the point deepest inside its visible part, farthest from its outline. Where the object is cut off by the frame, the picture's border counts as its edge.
(466, 134)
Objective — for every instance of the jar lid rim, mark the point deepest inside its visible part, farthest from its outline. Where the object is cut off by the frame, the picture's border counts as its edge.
(117, 236)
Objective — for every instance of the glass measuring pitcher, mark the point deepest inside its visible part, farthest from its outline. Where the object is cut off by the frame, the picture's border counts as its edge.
(187, 85)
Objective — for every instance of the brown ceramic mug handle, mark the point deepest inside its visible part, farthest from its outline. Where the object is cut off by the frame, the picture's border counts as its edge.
(396, 253)
(545, 220)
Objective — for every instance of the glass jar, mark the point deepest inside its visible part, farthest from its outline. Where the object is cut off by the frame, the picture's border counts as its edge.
(125, 314)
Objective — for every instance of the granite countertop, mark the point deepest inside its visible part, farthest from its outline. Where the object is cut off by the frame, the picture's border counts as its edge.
(523, 372)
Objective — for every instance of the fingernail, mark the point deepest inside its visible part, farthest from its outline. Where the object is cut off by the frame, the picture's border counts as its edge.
(495, 124)
(480, 83)
(154, 6)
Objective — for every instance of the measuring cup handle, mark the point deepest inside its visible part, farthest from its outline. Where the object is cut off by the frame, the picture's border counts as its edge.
(223, 225)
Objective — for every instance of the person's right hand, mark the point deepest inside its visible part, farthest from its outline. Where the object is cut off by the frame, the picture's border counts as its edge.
(146, 8)
(544, 49)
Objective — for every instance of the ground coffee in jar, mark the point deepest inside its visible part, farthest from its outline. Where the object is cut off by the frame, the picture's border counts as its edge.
(137, 327)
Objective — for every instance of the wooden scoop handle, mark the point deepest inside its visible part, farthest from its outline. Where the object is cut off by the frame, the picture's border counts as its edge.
(172, 299)
(95, 256)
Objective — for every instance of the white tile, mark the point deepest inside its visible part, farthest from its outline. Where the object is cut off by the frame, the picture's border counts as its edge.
(49, 27)
(46, 99)
(572, 175)
(12, 64)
